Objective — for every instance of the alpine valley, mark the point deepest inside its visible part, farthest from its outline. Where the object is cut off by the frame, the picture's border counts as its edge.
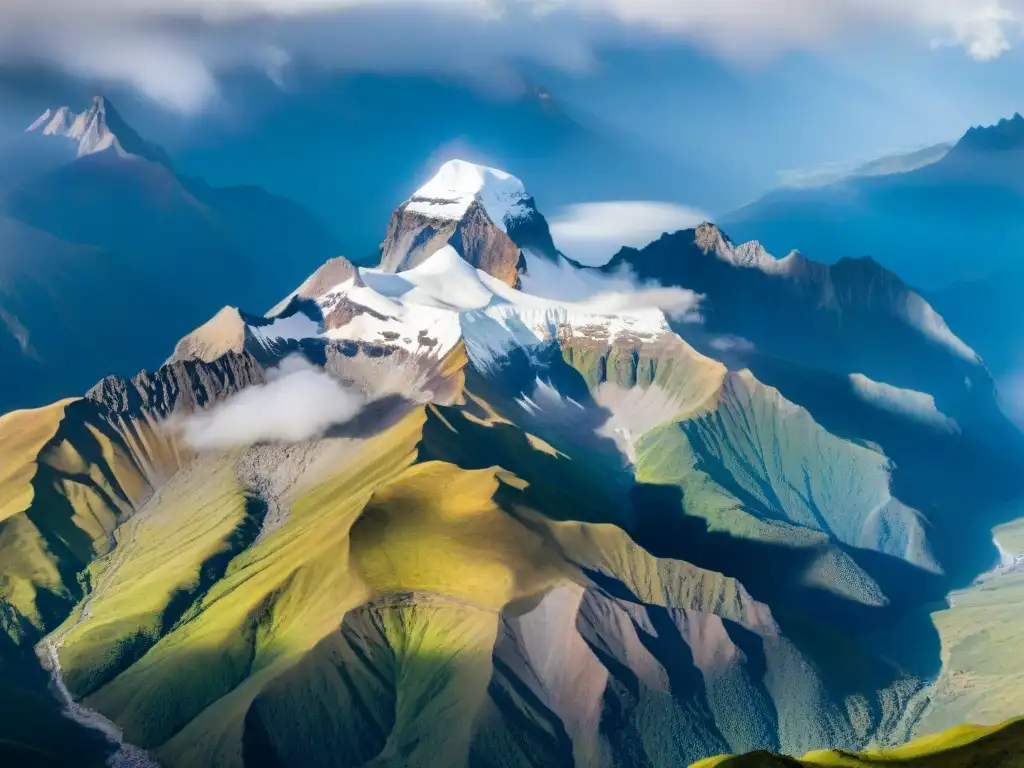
(481, 505)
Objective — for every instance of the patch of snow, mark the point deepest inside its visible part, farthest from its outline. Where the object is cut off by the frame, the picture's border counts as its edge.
(445, 280)
(429, 309)
(920, 315)
(1006, 559)
(491, 334)
(88, 128)
(40, 121)
(416, 328)
(918, 406)
(546, 400)
(458, 183)
(293, 328)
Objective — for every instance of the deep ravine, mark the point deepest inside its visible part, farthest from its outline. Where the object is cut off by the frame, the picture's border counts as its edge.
(126, 755)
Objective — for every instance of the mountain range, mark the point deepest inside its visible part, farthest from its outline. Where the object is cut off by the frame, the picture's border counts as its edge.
(949, 220)
(951, 226)
(107, 254)
(482, 505)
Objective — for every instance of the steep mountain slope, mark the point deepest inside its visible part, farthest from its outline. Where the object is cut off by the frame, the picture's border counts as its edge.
(830, 318)
(988, 313)
(886, 165)
(106, 255)
(550, 532)
(955, 219)
(484, 213)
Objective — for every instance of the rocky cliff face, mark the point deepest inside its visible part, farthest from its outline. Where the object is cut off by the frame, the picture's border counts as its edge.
(181, 385)
(486, 215)
(414, 237)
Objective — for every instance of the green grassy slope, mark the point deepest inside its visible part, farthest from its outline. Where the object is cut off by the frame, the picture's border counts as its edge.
(1000, 746)
(69, 480)
(563, 565)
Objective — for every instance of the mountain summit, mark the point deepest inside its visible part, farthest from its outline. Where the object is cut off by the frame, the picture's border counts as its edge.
(484, 213)
(98, 129)
(91, 217)
(1007, 134)
(458, 184)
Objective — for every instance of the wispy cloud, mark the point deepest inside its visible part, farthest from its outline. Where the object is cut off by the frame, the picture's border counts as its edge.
(173, 50)
(298, 402)
(591, 233)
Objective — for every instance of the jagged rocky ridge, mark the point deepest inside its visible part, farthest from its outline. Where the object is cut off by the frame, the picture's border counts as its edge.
(559, 533)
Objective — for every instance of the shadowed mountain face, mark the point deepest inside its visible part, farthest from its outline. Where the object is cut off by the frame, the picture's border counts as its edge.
(417, 515)
(107, 256)
(955, 219)
(952, 227)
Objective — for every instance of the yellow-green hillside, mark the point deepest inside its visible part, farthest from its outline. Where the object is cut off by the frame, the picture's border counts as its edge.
(68, 480)
(1000, 746)
(495, 569)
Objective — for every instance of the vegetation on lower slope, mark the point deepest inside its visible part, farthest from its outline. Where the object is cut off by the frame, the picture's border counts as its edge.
(560, 561)
(979, 630)
(69, 480)
(1000, 746)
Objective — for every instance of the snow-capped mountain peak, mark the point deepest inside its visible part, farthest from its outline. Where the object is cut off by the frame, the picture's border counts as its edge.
(98, 129)
(88, 128)
(458, 184)
(484, 213)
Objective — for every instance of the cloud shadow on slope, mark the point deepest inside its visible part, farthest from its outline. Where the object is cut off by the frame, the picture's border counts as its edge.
(773, 573)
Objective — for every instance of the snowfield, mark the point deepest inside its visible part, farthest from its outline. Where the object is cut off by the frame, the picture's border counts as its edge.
(455, 187)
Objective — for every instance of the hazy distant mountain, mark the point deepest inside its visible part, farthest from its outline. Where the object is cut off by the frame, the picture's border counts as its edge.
(107, 255)
(989, 313)
(883, 166)
(954, 219)
(350, 148)
(482, 506)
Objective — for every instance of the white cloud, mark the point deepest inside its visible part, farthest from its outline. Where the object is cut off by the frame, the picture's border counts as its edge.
(603, 293)
(679, 304)
(298, 402)
(756, 27)
(591, 233)
(173, 50)
(731, 344)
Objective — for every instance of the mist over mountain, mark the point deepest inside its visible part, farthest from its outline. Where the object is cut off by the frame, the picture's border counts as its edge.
(349, 148)
(952, 227)
(953, 219)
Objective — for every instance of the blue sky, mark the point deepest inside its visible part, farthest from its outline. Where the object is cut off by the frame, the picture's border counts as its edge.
(800, 110)
(750, 87)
